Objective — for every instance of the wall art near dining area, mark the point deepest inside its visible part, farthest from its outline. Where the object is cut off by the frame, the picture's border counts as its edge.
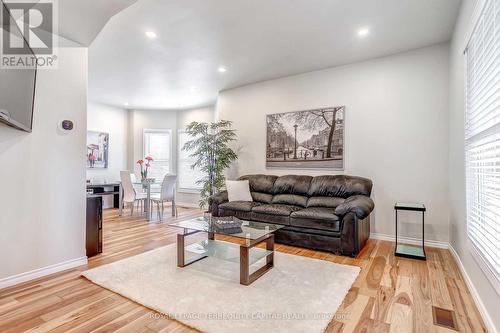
(306, 139)
(97, 150)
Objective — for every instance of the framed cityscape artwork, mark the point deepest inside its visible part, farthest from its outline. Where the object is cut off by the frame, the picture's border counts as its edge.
(306, 139)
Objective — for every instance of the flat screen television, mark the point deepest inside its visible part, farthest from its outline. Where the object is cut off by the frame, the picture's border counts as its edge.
(17, 86)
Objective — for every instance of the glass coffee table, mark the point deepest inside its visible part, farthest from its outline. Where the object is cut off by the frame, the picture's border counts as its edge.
(254, 233)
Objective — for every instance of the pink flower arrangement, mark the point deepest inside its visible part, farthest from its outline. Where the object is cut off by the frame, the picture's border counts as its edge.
(145, 166)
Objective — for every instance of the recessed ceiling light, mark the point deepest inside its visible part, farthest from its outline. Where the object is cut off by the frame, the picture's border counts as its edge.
(363, 32)
(222, 69)
(151, 34)
(126, 103)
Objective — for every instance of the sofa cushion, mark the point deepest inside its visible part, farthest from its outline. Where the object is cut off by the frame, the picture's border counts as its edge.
(268, 218)
(260, 183)
(290, 199)
(330, 202)
(339, 186)
(262, 197)
(244, 206)
(275, 209)
(316, 217)
(238, 190)
(243, 215)
(292, 184)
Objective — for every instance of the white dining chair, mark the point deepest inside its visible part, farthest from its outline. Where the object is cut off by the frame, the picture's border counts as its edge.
(130, 195)
(133, 178)
(167, 194)
(136, 184)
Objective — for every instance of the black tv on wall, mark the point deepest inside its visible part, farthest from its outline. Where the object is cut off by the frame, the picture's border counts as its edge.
(17, 85)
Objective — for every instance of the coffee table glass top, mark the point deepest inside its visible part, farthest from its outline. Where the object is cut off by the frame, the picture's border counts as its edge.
(248, 229)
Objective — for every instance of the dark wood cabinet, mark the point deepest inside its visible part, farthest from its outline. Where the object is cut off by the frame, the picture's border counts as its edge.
(106, 189)
(94, 225)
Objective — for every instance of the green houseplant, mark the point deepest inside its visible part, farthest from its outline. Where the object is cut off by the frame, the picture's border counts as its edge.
(210, 146)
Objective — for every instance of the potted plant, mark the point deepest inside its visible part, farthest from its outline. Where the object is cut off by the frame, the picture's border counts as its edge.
(145, 164)
(210, 147)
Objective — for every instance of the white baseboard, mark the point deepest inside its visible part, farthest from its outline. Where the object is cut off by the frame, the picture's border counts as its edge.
(475, 295)
(410, 240)
(41, 272)
(187, 204)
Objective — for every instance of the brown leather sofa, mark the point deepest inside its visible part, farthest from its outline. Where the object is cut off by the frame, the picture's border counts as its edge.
(329, 213)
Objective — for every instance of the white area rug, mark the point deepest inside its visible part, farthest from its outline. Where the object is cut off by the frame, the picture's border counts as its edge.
(298, 295)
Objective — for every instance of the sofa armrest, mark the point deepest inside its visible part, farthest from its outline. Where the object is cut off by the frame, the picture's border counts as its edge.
(360, 205)
(218, 198)
(215, 200)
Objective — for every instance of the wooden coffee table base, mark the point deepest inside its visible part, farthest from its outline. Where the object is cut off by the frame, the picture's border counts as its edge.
(181, 258)
(246, 278)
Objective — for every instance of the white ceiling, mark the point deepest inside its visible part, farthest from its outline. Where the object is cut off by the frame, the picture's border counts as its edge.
(81, 20)
(255, 40)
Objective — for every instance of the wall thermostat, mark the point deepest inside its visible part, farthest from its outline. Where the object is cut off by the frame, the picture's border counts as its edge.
(66, 125)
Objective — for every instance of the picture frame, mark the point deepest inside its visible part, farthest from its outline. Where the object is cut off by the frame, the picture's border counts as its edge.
(308, 139)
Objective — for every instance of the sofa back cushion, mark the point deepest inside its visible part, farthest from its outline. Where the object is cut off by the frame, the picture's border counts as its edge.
(261, 187)
(292, 184)
(262, 197)
(260, 183)
(306, 191)
(328, 202)
(339, 186)
(290, 199)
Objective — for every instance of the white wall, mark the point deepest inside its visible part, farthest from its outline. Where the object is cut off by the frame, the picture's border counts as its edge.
(112, 120)
(396, 128)
(458, 221)
(184, 117)
(42, 220)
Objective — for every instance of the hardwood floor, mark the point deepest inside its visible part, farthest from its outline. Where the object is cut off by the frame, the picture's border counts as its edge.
(390, 295)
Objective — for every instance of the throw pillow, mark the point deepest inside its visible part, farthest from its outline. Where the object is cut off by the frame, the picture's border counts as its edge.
(238, 190)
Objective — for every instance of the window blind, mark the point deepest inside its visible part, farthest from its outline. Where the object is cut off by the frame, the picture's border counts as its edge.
(482, 140)
(158, 145)
(186, 175)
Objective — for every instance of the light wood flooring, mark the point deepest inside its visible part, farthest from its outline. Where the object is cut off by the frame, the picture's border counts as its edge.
(390, 295)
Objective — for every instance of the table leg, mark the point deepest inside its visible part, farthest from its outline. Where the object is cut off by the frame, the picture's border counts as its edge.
(244, 265)
(245, 277)
(120, 208)
(270, 247)
(181, 258)
(147, 204)
(180, 250)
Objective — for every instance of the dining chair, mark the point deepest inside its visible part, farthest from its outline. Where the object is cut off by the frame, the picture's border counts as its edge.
(130, 195)
(167, 194)
(136, 184)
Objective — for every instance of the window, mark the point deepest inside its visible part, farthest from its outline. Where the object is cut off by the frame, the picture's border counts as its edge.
(482, 140)
(158, 145)
(186, 175)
